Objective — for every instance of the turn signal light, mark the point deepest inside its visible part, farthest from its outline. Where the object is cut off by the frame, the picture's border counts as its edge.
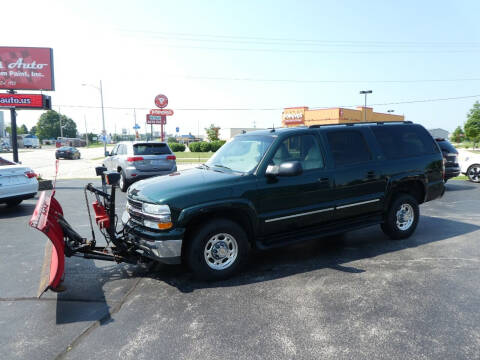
(165, 226)
(134, 158)
(171, 157)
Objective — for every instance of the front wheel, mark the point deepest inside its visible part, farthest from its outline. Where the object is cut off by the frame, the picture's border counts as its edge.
(402, 217)
(473, 173)
(217, 250)
(14, 202)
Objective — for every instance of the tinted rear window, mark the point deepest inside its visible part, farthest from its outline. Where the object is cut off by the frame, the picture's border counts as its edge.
(150, 149)
(348, 147)
(401, 141)
(446, 146)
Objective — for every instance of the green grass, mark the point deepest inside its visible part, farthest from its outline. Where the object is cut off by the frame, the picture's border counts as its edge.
(97, 145)
(460, 177)
(192, 157)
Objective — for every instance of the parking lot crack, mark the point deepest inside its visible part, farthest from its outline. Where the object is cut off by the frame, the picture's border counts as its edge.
(116, 308)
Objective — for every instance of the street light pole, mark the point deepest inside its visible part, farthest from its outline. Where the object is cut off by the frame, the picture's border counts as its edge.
(365, 92)
(103, 121)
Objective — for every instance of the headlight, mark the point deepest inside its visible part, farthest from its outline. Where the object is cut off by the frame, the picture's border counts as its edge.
(155, 209)
(156, 216)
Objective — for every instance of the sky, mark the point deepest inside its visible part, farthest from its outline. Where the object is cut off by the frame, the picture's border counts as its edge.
(238, 64)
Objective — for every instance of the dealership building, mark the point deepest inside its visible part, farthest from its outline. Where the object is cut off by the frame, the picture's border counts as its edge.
(303, 116)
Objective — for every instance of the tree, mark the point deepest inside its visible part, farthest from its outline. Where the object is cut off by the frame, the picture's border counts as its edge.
(171, 139)
(22, 130)
(472, 126)
(458, 135)
(48, 126)
(33, 130)
(212, 132)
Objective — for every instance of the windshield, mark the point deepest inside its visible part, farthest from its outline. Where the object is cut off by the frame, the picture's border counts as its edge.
(242, 154)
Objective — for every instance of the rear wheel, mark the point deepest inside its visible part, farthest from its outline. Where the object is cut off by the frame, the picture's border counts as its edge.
(402, 217)
(217, 250)
(123, 183)
(473, 173)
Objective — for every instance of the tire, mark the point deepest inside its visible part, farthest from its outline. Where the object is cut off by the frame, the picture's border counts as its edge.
(402, 217)
(473, 173)
(123, 183)
(14, 202)
(224, 235)
(57, 157)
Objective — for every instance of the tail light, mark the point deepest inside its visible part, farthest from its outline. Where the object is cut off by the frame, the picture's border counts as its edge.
(134, 158)
(30, 174)
(171, 157)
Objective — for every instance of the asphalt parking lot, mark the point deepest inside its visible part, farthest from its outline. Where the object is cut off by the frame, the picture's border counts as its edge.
(356, 296)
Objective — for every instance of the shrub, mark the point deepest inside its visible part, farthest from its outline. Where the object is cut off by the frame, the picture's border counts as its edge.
(217, 144)
(205, 146)
(194, 147)
(176, 147)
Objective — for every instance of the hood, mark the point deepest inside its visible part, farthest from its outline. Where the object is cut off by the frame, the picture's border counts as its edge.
(161, 189)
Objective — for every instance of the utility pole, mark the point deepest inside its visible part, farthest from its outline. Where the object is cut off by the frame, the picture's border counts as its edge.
(365, 92)
(13, 126)
(60, 119)
(86, 131)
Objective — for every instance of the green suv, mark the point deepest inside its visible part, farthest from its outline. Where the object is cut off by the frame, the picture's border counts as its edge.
(276, 187)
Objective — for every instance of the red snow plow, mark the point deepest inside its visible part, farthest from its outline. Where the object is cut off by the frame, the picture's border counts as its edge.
(48, 217)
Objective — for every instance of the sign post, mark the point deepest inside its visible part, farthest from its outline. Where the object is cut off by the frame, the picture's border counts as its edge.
(159, 116)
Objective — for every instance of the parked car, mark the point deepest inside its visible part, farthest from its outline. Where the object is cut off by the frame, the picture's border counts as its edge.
(450, 155)
(140, 160)
(67, 152)
(470, 166)
(276, 187)
(17, 183)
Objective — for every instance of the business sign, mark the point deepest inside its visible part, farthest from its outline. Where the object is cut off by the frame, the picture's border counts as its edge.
(26, 68)
(161, 101)
(156, 120)
(159, 112)
(25, 101)
(291, 118)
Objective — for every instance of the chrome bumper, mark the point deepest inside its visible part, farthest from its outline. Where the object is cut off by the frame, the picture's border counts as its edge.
(165, 251)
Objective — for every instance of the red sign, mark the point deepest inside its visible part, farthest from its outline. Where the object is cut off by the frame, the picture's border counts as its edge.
(25, 101)
(163, 112)
(156, 120)
(26, 68)
(161, 101)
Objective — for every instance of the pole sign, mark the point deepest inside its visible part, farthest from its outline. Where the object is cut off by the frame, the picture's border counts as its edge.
(25, 101)
(161, 101)
(156, 120)
(161, 112)
(26, 68)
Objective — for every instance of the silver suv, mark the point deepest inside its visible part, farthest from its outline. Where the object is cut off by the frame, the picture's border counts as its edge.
(139, 160)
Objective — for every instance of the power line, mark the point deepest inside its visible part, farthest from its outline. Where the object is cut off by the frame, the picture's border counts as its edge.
(277, 108)
(327, 81)
(275, 39)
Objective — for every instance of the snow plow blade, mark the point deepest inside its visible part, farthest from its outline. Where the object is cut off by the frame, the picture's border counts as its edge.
(45, 218)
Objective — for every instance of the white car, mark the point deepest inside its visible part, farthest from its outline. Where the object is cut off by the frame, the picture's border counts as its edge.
(17, 183)
(470, 165)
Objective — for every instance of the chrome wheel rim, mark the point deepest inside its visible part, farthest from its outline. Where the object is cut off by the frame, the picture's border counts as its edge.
(474, 173)
(405, 217)
(220, 251)
(121, 182)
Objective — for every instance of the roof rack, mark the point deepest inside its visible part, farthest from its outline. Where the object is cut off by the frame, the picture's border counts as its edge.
(361, 123)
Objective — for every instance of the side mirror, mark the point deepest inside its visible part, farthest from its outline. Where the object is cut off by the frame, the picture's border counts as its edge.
(289, 168)
(107, 153)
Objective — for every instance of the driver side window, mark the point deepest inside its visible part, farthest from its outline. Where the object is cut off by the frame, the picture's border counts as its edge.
(114, 151)
(302, 148)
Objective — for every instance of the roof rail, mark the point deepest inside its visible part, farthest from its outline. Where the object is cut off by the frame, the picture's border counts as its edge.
(361, 123)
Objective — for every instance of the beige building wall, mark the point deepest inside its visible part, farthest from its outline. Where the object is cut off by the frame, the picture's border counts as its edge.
(302, 116)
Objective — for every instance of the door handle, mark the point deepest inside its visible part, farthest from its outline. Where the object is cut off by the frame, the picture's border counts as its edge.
(370, 174)
(324, 180)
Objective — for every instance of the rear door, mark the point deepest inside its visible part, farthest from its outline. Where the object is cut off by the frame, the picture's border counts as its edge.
(359, 184)
(109, 159)
(155, 157)
(289, 203)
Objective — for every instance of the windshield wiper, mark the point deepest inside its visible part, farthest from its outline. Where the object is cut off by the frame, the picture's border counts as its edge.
(222, 166)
